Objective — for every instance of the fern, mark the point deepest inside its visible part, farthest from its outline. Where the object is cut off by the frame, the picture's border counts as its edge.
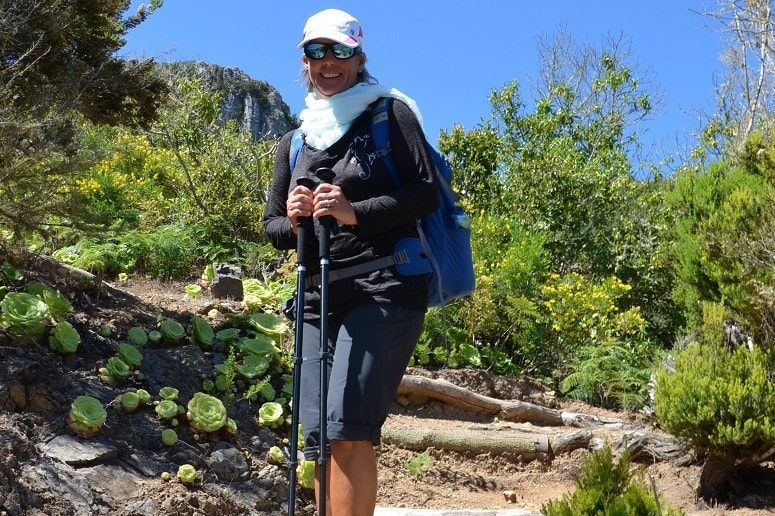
(609, 375)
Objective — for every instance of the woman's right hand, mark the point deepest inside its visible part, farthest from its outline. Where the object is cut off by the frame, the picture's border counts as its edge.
(299, 205)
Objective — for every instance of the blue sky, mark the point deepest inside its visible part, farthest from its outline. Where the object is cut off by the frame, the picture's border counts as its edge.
(450, 54)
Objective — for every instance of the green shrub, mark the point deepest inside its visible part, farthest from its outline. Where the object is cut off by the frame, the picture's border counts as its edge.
(606, 487)
(723, 404)
(167, 252)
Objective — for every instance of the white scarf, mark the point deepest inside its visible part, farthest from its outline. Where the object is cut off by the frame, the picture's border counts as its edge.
(325, 120)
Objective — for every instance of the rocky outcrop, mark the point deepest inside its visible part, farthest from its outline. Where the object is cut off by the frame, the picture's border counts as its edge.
(255, 105)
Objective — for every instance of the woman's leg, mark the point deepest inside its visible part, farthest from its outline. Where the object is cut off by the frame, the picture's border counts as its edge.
(372, 347)
(352, 479)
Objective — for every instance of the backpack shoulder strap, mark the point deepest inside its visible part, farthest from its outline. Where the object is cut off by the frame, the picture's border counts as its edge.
(297, 142)
(380, 132)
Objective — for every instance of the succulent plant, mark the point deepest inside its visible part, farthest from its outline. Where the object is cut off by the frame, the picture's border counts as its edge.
(169, 437)
(154, 336)
(115, 371)
(167, 409)
(253, 366)
(64, 338)
(269, 324)
(260, 345)
(270, 414)
(206, 413)
(87, 415)
(275, 456)
(23, 314)
(305, 472)
(171, 331)
(58, 305)
(130, 355)
(168, 393)
(137, 336)
(187, 474)
(227, 335)
(145, 396)
(193, 291)
(201, 332)
(130, 401)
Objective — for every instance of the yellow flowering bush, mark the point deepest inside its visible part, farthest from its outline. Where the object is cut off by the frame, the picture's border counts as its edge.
(584, 312)
(130, 181)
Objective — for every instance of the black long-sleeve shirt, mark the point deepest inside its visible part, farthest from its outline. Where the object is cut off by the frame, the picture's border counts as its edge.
(384, 213)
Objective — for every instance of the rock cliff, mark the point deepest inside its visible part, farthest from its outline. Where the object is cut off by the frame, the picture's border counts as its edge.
(256, 105)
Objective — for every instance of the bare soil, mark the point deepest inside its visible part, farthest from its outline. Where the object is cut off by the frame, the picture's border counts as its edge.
(448, 480)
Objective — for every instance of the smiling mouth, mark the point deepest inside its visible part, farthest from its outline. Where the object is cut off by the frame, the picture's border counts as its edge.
(330, 75)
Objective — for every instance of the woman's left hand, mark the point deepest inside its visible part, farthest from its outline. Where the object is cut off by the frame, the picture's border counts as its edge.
(329, 200)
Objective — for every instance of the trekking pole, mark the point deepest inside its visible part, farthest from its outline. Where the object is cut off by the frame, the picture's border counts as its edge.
(327, 224)
(303, 230)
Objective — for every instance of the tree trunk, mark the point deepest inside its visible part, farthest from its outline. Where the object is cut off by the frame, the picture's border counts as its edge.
(714, 484)
(650, 448)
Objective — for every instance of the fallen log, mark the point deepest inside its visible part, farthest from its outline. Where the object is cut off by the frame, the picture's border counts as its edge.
(529, 446)
(419, 387)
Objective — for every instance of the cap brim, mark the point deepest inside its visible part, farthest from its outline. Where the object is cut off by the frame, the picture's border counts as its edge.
(332, 35)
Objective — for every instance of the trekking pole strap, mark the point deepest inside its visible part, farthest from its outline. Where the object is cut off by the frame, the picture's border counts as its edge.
(397, 258)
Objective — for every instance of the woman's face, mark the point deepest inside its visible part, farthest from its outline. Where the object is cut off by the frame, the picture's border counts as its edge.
(330, 75)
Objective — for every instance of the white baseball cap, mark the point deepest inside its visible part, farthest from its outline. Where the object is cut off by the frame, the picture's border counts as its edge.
(335, 25)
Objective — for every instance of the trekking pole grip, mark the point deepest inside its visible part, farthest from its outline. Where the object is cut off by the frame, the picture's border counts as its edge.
(325, 175)
(303, 226)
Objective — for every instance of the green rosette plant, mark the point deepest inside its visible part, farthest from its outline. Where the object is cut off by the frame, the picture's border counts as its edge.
(269, 324)
(130, 401)
(168, 393)
(23, 314)
(130, 355)
(115, 371)
(227, 336)
(260, 345)
(167, 410)
(154, 336)
(253, 366)
(87, 415)
(305, 472)
(64, 338)
(270, 414)
(193, 291)
(145, 396)
(201, 332)
(171, 331)
(187, 474)
(58, 305)
(275, 456)
(206, 413)
(169, 437)
(137, 336)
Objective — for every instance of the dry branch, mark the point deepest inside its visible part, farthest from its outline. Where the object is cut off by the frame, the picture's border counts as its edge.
(419, 389)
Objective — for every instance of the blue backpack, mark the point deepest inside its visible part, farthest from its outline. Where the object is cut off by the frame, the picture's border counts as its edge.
(443, 248)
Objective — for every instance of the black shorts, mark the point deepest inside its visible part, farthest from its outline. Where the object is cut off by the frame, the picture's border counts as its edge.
(369, 347)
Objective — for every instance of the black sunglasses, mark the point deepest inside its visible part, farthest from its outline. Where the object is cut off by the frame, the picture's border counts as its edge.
(317, 51)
